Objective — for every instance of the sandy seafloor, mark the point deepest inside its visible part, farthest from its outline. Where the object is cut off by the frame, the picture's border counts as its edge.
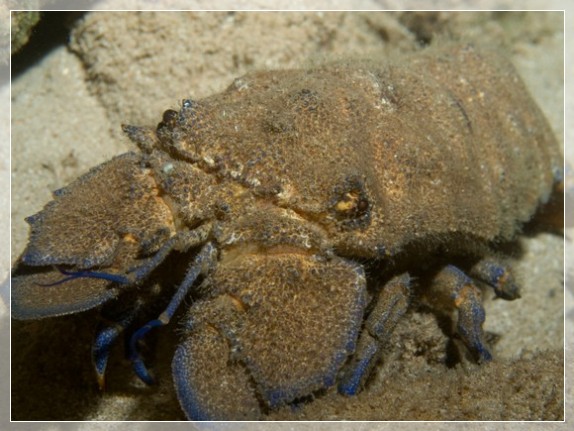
(128, 68)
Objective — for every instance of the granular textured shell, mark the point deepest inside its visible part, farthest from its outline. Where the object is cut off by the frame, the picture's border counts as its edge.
(444, 142)
(300, 210)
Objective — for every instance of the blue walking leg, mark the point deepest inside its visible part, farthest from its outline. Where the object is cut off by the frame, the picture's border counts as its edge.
(106, 337)
(201, 264)
(390, 306)
(498, 276)
(467, 298)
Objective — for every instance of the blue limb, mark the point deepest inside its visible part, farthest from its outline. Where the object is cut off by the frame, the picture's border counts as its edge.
(72, 275)
(105, 339)
(182, 241)
(467, 299)
(498, 277)
(390, 306)
(134, 275)
(202, 262)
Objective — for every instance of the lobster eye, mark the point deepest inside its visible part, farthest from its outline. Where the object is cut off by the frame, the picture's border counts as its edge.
(169, 116)
(351, 205)
(169, 119)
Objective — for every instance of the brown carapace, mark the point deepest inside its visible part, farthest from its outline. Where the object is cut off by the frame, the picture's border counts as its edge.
(298, 207)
